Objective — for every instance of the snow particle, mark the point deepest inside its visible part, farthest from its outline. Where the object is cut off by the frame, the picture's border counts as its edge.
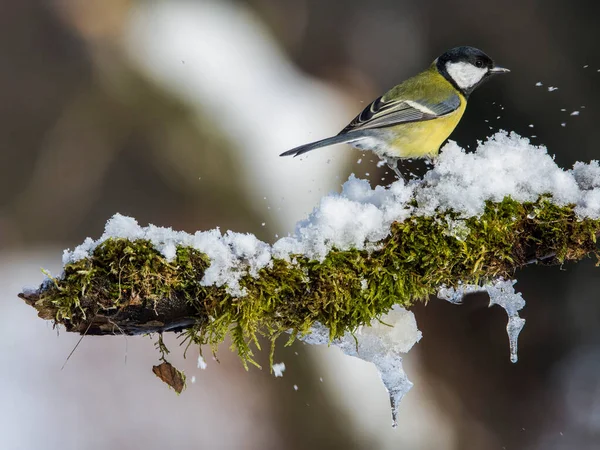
(575, 113)
(278, 369)
(295, 387)
(538, 84)
(201, 362)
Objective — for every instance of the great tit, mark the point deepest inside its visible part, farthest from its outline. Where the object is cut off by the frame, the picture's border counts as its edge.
(413, 119)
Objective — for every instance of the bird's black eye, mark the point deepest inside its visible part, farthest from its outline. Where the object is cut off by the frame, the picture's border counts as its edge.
(479, 63)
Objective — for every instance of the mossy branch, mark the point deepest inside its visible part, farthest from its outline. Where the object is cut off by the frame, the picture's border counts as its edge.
(129, 287)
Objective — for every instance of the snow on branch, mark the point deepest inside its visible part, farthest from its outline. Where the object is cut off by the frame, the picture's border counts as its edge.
(472, 220)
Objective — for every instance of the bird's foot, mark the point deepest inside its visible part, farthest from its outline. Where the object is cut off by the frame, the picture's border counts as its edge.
(393, 164)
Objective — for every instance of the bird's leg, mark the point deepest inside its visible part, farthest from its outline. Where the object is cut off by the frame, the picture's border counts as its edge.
(393, 164)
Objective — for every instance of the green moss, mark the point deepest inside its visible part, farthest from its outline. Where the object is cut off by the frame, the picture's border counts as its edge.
(347, 289)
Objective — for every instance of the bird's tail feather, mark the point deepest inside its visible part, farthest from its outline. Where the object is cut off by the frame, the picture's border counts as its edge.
(339, 139)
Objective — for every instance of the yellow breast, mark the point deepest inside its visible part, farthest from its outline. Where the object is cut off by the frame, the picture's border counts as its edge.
(422, 139)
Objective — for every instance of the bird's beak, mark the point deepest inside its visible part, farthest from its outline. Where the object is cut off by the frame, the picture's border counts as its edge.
(496, 70)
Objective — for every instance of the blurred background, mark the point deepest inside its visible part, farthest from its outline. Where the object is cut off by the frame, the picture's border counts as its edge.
(174, 112)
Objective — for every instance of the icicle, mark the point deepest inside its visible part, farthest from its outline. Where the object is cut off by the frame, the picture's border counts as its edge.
(501, 293)
(380, 344)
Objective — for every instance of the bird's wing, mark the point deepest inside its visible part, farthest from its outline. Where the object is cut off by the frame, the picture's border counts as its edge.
(385, 113)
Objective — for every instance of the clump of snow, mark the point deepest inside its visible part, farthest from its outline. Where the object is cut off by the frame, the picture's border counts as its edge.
(504, 165)
(364, 284)
(357, 216)
(380, 343)
(278, 369)
(588, 178)
(201, 363)
(360, 216)
(232, 255)
(502, 293)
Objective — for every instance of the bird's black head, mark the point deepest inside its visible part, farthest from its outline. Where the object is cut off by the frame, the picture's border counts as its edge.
(466, 68)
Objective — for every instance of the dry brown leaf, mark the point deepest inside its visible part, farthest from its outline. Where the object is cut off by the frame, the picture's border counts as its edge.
(170, 375)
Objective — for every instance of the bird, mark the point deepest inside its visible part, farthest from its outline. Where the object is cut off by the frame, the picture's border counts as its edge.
(414, 118)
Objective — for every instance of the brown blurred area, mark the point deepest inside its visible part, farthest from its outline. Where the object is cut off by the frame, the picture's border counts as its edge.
(85, 132)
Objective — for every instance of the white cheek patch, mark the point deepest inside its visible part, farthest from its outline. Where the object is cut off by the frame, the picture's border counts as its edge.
(465, 75)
